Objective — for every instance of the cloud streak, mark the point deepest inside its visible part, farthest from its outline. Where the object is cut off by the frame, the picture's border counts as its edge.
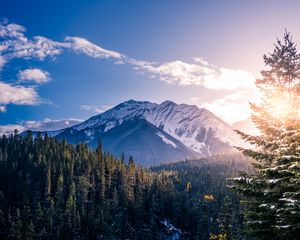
(81, 45)
(50, 124)
(94, 108)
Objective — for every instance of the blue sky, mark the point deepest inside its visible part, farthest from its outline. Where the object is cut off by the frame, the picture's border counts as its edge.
(97, 54)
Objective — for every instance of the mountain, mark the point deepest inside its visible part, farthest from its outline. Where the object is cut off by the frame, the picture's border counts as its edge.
(155, 133)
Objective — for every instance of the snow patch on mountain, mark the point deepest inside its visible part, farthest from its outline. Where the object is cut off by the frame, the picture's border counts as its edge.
(192, 126)
(166, 140)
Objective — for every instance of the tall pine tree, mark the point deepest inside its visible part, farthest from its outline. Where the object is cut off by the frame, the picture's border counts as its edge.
(271, 195)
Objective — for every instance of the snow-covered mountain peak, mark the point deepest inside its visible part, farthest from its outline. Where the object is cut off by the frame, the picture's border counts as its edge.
(155, 133)
(197, 128)
(167, 103)
(137, 104)
(116, 115)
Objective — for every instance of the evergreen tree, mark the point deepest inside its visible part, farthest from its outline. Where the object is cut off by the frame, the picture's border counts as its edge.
(272, 193)
(16, 226)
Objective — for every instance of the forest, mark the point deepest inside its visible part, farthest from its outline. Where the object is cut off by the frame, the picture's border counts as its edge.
(53, 190)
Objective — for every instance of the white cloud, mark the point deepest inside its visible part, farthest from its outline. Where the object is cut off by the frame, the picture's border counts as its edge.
(11, 30)
(38, 48)
(35, 75)
(228, 111)
(50, 124)
(2, 108)
(235, 106)
(17, 95)
(9, 129)
(199, 73)
(15, 44)
(97, 109)
(43, 125)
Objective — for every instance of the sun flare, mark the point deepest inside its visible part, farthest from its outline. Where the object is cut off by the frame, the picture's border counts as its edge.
(283, 106)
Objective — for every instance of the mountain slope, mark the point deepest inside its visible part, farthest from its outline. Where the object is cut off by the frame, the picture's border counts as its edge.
(149, 145)
(136, 137)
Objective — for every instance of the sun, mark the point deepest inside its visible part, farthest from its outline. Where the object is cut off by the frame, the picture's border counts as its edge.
(282, 106)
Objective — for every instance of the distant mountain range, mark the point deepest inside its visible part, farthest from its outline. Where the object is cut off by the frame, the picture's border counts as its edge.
(155, 133)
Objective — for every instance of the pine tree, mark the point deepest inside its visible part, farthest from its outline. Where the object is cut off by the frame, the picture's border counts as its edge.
(16, 226)
(272, 193)
(30, 232)
(224, 218)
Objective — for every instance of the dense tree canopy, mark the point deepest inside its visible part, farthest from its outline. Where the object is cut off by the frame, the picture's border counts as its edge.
(53, 190)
